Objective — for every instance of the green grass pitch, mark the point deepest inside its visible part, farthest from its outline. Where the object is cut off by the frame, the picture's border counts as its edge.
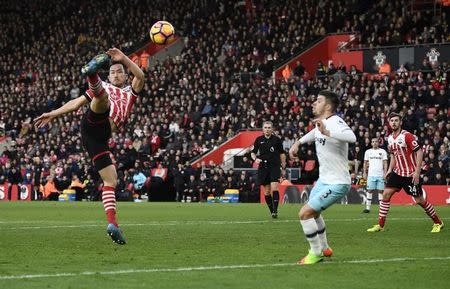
(64, 245)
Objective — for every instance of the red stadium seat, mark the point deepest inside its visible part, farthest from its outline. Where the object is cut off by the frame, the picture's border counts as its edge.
(310, 165)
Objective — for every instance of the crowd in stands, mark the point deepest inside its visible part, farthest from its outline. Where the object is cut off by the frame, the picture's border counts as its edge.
(395, 23)
(190, 104)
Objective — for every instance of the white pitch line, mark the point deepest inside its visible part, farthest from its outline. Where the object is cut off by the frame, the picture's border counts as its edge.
(176, 223)
(212, 268)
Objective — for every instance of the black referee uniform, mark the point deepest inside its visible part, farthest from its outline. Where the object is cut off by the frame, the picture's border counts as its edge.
(268, 150)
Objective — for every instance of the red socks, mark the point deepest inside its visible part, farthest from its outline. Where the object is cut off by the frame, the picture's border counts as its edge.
(384, 210)
(429, 209)
(95, 86)
(109, 203)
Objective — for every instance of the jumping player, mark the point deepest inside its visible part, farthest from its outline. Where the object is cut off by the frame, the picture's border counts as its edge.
(110, 104)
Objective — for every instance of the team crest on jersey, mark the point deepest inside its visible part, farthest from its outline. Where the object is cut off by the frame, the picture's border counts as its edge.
(321, 141)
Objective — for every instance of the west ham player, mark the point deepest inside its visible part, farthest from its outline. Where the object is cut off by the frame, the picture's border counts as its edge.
(109, 106)
(331, 136)
(375, 167)
(404, 172)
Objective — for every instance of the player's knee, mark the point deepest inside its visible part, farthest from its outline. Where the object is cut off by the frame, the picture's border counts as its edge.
(305, 213)
(100, 105)
(420, 200)
(110, 182)
(387, 195)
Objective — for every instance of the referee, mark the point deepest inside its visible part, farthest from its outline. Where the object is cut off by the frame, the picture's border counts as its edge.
(268, 153)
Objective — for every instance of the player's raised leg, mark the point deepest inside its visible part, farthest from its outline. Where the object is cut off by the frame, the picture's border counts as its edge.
(100, 101)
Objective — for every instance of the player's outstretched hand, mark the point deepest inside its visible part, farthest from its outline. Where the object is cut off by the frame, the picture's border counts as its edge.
(43, 119)
(116, 54)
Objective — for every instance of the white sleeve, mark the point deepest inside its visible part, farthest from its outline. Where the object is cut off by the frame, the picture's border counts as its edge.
(366, 155)
(385, 155)
(309, 137)
(341, 131)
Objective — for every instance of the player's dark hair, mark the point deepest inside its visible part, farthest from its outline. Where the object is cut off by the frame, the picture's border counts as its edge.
(331, 98)
(118, 62)
(395, 114)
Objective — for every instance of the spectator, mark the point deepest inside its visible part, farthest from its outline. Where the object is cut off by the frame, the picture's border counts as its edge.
(138, 185)
(190, 192)
(203, 187)
(216, 186)
(179, 180)
(244, 187)
(79, 187)
(50, 192)
(14, 179)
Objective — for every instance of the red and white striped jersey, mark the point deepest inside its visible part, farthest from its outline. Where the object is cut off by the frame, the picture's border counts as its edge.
(403, 146)
(121, 102)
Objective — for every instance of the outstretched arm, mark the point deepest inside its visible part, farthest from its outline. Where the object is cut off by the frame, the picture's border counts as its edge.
(139, 76)
(70, 106)
(309, 137)
(341, 132)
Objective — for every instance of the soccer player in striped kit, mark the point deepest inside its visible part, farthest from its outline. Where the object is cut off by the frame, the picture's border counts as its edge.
(110, 104)
(404, 172)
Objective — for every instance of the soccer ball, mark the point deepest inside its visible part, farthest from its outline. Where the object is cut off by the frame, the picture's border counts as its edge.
(162, 33)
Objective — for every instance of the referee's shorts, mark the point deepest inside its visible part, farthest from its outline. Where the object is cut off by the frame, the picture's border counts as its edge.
(268, 173)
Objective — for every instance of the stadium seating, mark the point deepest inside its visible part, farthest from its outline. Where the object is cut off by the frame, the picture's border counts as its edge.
(226, 70)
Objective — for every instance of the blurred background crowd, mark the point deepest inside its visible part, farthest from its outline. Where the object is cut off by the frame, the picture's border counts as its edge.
(221, 83)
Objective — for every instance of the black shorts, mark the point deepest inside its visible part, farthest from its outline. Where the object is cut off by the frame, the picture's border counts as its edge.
(95, 133)
(399, 182)
(268, 174)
